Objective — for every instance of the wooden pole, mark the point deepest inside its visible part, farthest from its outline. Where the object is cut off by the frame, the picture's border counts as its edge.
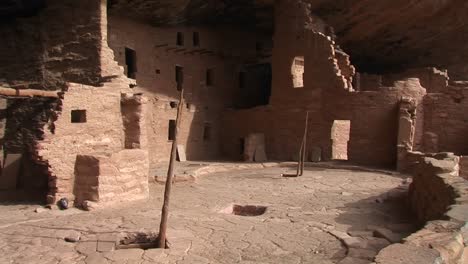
(304, 144)
(302, 152)
(162, 243)
(11, 92)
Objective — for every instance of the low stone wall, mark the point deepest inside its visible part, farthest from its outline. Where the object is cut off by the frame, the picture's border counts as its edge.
(464, 167)
(110, 179)
(439, 198)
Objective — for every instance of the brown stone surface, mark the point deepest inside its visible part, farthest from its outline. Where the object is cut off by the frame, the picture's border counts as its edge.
(248, 84)
(399, 253)
(293, 228)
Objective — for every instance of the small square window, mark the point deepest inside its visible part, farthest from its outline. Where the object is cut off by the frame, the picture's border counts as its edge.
(78, 116)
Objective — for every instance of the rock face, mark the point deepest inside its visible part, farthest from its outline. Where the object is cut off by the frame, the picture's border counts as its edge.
(391, 35)
(380, 36)
(157, 12)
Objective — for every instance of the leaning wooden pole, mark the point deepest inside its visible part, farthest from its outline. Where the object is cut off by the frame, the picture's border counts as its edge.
(170, 175)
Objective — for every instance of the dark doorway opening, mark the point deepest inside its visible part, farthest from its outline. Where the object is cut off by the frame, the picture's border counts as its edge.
(196, 39)
(131, 62)
(180, 39)
(179, 76)
(209, 77)
(171, 130)
(207, 132)
(254, 86)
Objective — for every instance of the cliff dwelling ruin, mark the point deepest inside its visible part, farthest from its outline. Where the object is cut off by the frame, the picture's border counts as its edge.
(95, 95)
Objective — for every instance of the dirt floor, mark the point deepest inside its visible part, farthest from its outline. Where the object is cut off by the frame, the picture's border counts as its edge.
(312, 219)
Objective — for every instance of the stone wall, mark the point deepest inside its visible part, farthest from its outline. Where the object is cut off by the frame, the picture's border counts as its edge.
(327, 94)
(100, 134)
(156, 57)
(464, 167)
(59, 138)
(445, 120)
(440, 124)
(434, 80)
(110, 179)
(340, 132)
(439, 198)
(58, 44)
(102, 107)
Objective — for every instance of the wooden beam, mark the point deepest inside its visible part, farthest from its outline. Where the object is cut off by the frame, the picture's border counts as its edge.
(10, 92)
(162, 241)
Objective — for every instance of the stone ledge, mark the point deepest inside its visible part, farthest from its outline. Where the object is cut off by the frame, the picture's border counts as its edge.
(190, 175)
(441, 240)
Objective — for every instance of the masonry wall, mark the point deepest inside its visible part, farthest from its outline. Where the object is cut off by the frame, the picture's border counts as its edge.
(56, 45)
(70, 53)
(327, 94)
(438, 198)
(102, 107)
(60, 43)
(156, 57)
(440, 123)
(446, 120)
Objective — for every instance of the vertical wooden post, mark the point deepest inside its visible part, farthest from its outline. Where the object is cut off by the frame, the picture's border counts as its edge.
(302, 152)
(170, 175)
(304, 145)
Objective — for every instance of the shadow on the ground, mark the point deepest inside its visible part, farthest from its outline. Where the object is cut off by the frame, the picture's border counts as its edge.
(389, 210)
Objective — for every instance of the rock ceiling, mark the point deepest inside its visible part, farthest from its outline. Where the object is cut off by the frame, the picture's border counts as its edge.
(387, 35)
(258, 13)
(381, 36)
